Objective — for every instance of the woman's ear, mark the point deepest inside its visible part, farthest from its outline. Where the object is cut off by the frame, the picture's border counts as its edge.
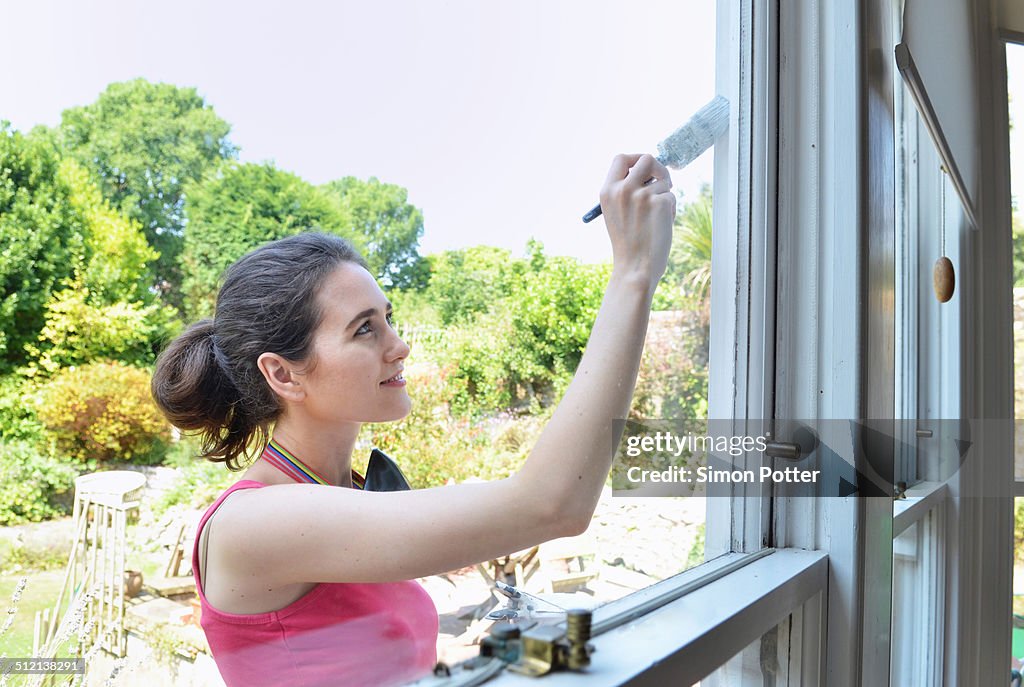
(281, 376)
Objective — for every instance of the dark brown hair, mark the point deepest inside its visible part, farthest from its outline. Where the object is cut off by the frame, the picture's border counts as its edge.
(207, 380)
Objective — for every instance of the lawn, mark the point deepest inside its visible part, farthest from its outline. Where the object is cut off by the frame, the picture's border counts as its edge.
(40, 592)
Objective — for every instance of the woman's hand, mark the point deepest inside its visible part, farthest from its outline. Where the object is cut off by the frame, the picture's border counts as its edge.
(639, 216)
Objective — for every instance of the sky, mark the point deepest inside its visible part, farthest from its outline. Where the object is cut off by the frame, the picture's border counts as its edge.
(499, 118)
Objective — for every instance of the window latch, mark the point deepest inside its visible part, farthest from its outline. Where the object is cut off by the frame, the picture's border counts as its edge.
(782, 449)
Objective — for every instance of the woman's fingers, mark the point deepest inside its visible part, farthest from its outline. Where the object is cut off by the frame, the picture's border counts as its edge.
(621, 165)
(645, 168)
(629, 172)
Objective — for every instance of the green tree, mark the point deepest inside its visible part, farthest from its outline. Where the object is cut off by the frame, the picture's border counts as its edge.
(238, 208)
(145, 142)
(389, 225)
(472, 280)
(114, 265)
(105, 308)
(41, 238)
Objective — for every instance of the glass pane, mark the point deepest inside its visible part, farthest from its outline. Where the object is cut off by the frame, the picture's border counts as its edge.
(498, 329)
(766, 661)
(488, 139)
(1015, 86)
(930, 227)
(917, 607)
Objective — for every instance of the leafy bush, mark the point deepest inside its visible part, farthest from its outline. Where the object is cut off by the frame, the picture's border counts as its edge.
(78, 331)
(530, 342)
(32, 485)
(432, 445)
(471, 280)
(103, 412)
(18, 418)
(1018, 530)
(673, 377)
(414, 308)
(429, 444)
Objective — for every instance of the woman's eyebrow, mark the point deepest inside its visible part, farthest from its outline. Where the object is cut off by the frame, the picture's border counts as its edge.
(369, 312)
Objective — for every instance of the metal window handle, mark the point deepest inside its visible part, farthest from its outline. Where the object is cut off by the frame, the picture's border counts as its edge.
(782, 449)
(924, 433)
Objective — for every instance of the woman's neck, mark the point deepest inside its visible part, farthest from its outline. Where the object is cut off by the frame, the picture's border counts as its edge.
(329, 454)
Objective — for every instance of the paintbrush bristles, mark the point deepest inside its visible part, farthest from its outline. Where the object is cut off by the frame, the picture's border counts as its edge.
(690, 140)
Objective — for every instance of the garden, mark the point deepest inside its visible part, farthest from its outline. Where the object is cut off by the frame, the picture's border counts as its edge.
(115, 227)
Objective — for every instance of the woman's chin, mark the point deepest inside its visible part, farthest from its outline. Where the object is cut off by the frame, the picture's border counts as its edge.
(400, 413)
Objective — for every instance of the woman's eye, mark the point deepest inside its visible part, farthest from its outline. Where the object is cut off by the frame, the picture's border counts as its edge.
(390, 319)
(367, 326)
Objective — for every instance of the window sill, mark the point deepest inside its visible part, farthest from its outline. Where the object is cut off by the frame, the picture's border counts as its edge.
(688, 638)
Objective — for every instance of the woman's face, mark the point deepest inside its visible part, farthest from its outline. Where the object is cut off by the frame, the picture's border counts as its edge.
(358, 357)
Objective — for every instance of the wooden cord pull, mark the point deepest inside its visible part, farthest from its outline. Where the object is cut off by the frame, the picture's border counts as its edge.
(943, 279)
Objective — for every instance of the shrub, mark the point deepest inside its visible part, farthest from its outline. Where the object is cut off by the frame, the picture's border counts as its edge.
(1018, 530)
(33, 486)
(530, 342)
(414, 308)
(103, 412)
(429, 444)
(673, 376)
(78, 331)
(471, 280)
(18, 418)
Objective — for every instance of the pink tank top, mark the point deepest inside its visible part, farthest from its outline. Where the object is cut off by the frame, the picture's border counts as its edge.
(336, 634)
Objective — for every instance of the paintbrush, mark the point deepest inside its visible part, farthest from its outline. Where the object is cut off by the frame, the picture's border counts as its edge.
(686, 143)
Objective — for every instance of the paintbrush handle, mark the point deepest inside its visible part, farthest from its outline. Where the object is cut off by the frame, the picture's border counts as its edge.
(594, 213)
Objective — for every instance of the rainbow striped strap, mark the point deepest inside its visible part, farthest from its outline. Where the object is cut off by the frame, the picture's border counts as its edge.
(283, 460)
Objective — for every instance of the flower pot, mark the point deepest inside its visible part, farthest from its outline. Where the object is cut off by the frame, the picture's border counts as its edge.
(132, 583)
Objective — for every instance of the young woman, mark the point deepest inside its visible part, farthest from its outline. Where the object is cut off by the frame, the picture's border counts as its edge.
(305, 579)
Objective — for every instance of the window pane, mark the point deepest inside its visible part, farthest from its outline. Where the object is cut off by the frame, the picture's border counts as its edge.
(764, 661)
(1015, 86)
(495, 353)
(930, 227)
(917, 607)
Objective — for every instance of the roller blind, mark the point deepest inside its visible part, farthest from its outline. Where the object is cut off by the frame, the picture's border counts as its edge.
(936, 60)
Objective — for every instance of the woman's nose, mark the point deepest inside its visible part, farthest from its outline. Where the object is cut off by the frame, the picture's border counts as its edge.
(399, 349)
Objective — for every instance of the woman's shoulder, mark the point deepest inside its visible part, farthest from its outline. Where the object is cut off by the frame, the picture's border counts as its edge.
(239, 508)
(237, 488)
